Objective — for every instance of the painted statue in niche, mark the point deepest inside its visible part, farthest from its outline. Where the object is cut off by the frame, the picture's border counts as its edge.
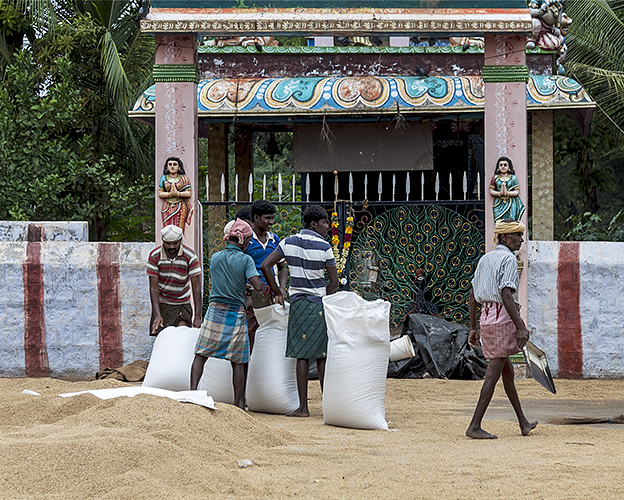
(506, 191)
(175, 191)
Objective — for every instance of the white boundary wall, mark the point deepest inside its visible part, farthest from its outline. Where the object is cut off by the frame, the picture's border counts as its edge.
(73, 323)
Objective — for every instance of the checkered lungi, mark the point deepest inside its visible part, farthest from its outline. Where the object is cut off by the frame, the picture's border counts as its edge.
(498, 331)
(224, 333)
(307, 330)
(172, 315)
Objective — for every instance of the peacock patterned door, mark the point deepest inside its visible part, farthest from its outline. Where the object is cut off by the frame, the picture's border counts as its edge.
(421, 258)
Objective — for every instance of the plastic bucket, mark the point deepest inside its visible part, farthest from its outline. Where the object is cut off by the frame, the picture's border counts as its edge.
(401, 348)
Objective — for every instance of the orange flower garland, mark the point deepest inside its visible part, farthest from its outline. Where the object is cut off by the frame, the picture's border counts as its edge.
(340, 255)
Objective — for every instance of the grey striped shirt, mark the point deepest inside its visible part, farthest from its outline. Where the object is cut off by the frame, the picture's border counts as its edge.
(307, 255)
(496, 270)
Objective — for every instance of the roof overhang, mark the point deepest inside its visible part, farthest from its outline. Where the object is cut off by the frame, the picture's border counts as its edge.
(229, 22)
(293, 99)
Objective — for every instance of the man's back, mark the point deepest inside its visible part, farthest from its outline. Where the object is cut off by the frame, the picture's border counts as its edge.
(496, 270)
(307, 255)
(229, 271)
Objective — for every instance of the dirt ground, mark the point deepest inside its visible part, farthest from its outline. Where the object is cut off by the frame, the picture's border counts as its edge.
(151, 448)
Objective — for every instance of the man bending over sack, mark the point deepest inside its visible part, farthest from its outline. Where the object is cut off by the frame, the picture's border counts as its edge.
(503, 332)
(308, 255)
(173, 268)
(224, 330)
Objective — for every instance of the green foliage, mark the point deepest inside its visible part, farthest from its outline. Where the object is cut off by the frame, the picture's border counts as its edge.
(13, 26)
(589, 173)
(111, 64)
(281, 163)
(591, 227)
(53, 173)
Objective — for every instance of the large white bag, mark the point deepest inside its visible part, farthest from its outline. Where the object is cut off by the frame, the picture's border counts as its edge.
(272, 377)
(217, 380)
(172, 356)
(357, 361)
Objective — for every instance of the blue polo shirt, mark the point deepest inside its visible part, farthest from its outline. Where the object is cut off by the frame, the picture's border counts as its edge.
(258, 252)
(229, 271)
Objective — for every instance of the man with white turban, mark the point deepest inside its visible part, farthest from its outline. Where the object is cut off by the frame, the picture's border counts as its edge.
(502, 333)
(173, 269)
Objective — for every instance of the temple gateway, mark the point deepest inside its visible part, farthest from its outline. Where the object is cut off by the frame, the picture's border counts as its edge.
(399, 111)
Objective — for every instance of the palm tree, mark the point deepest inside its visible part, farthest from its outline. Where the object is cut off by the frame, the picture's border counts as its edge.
(595, 55)
(124, 72)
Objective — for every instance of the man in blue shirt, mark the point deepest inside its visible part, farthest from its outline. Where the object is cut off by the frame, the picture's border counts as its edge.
(262, 244)
(263, 241)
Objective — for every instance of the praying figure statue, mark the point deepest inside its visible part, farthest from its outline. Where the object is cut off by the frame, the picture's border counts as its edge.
(505, 189)
(175, 191)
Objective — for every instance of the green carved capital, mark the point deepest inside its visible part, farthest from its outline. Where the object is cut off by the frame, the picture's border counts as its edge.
(175, 73)
(500, 74)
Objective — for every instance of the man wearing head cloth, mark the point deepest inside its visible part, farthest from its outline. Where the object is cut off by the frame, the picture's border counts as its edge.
(173, 269)
(224, 330)
(502, 331)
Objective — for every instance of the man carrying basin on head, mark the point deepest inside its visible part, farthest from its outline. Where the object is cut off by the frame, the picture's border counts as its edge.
(503, 332)
(308, 256)
(173, 269)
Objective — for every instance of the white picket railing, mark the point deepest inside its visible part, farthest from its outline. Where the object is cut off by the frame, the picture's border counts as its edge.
(306, 187)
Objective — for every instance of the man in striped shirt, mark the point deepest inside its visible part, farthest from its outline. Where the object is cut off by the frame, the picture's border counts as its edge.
(503, 332)
(308, 256)
(173, 269)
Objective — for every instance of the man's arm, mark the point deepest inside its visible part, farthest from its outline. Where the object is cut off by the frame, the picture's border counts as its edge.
(522, 334)
(273, 258)
(473, 337)
(197, 299)
(154, 293)
(282, 275)
(332, 286)
(256, 282)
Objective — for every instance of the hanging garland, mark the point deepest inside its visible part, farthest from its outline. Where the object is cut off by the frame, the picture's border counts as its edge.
(340, 255)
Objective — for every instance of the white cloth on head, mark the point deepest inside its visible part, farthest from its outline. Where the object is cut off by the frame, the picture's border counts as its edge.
(171, 233)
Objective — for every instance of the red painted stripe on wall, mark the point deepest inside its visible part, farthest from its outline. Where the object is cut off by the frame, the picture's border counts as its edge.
(109, 305)
(35, 349)
(570, 338)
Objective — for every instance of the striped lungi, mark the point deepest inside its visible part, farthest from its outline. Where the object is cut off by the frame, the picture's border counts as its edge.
(172, 315)
(498, 331)
(307, 330)
(224, 333)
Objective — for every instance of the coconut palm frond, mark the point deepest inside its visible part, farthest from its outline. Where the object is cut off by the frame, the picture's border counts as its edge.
(42, 12)
(596, 36)
(595, 48)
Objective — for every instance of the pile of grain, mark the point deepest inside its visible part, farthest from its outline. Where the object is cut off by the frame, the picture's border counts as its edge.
(151, 448)
(138, 447)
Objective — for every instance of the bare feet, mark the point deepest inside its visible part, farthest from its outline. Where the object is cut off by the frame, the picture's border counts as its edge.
(299, 412)
(480, 434)
(528, 427)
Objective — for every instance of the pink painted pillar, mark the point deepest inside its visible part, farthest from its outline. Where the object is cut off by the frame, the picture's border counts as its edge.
(505, 74)
(176, 79)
